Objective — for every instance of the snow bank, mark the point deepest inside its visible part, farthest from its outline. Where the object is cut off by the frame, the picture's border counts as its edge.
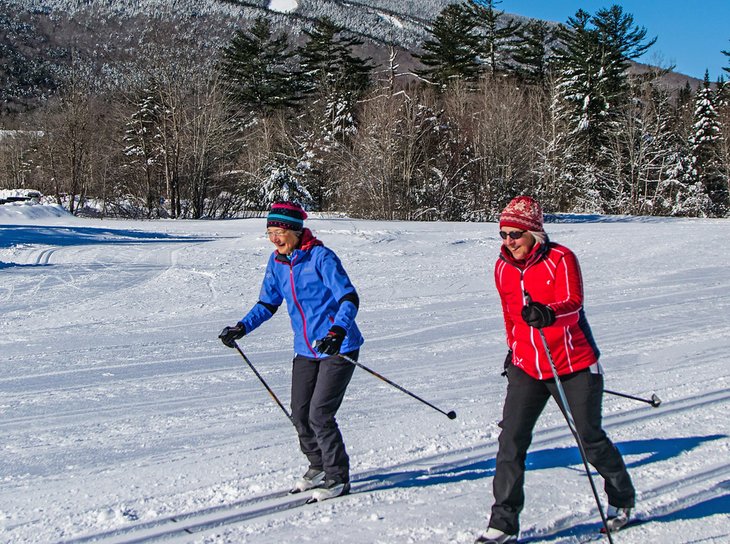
(27, 211)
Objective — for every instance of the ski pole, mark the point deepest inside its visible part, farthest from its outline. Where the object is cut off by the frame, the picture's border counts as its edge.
(450, 415)
(654, 401)
(571, 423)
(273, 395)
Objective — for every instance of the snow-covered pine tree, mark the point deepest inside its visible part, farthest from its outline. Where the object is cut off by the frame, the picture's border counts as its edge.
(257, 71)
(329, 63)
(593, 85)
(452, 51)
(143, 144)
(499, 36)
(705, 151)
(334, 75)
(282, 183)
(533, 54)
(335, 78)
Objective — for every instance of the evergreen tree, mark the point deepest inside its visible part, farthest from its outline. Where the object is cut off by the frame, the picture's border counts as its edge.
(143, 142)
(335, 75)
(593, 61)
(684, 95)
(593, 86)
(727, 54)
(257, 71)
(580, 79)
(282, 183)
(533, 55)
(705, 144)
(329, 64)
(453, 49)
(498, 39)
(334, 79)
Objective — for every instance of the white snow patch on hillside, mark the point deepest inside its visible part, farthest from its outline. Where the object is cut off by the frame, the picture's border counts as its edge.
(392, 20)
(283, 6)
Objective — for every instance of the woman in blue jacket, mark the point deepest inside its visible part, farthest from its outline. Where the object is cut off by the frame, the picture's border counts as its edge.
(322, 304)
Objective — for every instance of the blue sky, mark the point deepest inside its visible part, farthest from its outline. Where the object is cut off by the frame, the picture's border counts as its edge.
(690, 35)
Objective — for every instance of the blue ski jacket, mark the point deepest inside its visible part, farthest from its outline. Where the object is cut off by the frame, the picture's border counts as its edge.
(318, 295)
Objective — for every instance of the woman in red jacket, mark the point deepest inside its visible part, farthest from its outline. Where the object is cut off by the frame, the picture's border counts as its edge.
(541, 287)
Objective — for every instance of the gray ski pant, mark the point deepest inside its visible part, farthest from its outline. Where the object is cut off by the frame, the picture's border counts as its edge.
(525, 401)
(318, 387)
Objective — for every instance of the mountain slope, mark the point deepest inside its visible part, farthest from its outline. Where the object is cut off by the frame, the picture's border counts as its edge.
(39, 37)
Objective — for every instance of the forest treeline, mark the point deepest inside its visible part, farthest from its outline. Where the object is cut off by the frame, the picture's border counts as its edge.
(493, 108)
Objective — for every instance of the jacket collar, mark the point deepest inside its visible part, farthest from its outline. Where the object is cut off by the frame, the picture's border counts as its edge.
(306, 242)
(538, 252)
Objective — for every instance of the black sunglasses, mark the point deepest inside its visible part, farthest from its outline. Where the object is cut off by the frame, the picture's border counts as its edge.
(515, 234)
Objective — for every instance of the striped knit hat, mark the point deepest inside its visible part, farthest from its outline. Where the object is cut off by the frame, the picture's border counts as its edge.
(523, 212)
(286, 215)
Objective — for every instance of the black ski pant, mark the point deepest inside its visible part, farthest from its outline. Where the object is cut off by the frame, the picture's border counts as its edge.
(318, 387)
(525, 401)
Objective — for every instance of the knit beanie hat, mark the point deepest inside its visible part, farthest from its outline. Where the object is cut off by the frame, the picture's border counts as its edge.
(286, 215)
(523, 212)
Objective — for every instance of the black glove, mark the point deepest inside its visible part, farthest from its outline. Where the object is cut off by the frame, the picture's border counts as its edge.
(331, 344)
(230, 334)
(538, 315)
(507, 362)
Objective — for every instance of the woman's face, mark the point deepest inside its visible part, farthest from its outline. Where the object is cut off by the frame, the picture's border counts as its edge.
(285, 240)
(520, 246)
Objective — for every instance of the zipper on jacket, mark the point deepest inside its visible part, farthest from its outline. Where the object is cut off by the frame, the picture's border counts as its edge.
(299, 307)
(526, 299)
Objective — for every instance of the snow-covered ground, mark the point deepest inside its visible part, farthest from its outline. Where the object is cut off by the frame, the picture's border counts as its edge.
(124, 419)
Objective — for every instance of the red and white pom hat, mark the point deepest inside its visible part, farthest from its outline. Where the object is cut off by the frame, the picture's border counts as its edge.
(523, 212)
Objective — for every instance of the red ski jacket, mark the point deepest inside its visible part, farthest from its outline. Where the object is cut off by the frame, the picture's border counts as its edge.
(550, 275)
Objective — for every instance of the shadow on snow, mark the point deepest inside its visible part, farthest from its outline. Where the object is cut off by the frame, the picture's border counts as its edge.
(651, 451)
(14, 235)
(710, 507)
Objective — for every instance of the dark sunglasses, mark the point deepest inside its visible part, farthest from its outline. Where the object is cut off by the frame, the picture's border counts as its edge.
(515, 234)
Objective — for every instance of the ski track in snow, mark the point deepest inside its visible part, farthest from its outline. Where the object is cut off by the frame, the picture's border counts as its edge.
(125, 420)
(435, 467)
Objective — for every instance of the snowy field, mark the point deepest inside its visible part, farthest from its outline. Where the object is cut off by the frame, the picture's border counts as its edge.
(124, 419)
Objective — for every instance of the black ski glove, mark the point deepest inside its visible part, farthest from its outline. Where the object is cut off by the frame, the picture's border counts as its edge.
(331, 344)
(230, 334)
(507, 362)
(538, 315)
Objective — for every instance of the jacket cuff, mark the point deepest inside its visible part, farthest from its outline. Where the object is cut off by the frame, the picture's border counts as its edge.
(339, 331)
